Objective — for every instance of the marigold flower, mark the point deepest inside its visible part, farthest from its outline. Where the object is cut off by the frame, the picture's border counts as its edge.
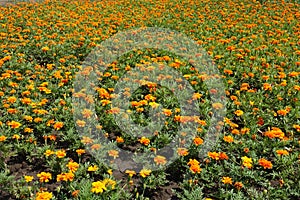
(281, 152)
(49, 152)
(265, 163)
(145, 172)
(213, 155)
(247, 162)
(227, 180)
(60, 153)
(113, 153)
(14, 124)
(228, 139)
(80, 151)
(198, 141)
(2, 138)
(239, 112)
(43, 196)
(58, 125)
(238, 185)
(182, 151)
(44, 176)
(145, 141)
(160, 160)
(28, 178)
(92, 168)
(98, 187)
(73, 166)
(130, 173)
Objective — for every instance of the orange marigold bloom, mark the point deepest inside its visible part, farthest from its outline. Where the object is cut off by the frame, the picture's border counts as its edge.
(198, 141)
(44, 176)
(182, 151)
(281, 152)
(43, 196)
(80, 151)
(145, 172)
(167, 112)
(80, 123)
(113, 153)
(119, 139)
(265, 163)
(239, 112)
(238, 185)
(58, 125)
(14, 124)
(73, 166)
(223, 156)
(2, 138)
(60, 153)
(160, 160)
(144, 141)
(228, 139)
(213, 155)
(49, 152)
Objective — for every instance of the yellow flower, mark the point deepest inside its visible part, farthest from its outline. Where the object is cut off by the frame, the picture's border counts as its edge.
(98, 187)
(145, 172)
(43, 196)
(227, 180)
(239, 112)
(28, 178)
(93, 168)
(44, 176)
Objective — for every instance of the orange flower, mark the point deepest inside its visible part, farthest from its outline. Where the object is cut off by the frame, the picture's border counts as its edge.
(44, 176)
(227, 180)
(80, 151)
(43, 196)
(223, 156)
(14, 124)
(239, 112)
(2, 138)
(48, 152)
(160, 160)
(213, 155)
(167, 112)
(265, 163)
(198, 141)
(281, 152)
(119, 139)
(80, 123)
(238, 185)
(73, 166)
(113, 153)
(182, 151)
(144, 141)
(58, 125)
(60, 153)
(228, 139)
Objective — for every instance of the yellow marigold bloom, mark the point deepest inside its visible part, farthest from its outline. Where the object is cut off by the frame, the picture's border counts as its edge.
(145, 172)
(73, 166)
(28, 178)
(2, 138)
(48, 152)
(15, 136)
(227, 180)
(98, 187)
(110, 183)
(80, 151)
(65, 177)
(239, 112)
(247, 162)
(130, 173)
(44, 49)
(60, 153)
(80, 123)
(93, 168)
(14, 124)
(43, 196)
(265, 163)
(86, 140)
(213, 155)
(228, 139)
(44, 176)
(217, 106)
